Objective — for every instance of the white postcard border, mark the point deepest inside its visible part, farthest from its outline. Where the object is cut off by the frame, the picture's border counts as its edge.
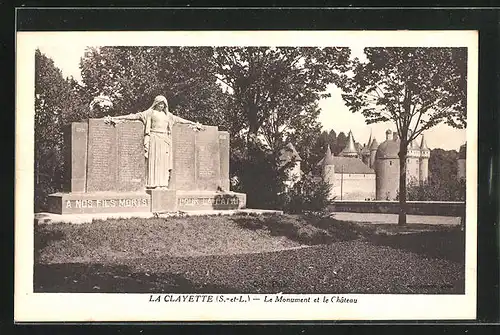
(34, 307)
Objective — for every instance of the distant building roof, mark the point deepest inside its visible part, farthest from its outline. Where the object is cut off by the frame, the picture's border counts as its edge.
(349, 165)
(374, 144)
(413, 145)
(388, 149)
(289, 153)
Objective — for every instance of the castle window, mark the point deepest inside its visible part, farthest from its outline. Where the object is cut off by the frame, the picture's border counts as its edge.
(390, 163)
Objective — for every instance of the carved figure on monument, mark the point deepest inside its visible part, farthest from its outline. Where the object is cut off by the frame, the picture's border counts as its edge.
(158, 122)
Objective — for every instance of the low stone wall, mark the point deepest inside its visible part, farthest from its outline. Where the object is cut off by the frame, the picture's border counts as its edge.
(439, 208)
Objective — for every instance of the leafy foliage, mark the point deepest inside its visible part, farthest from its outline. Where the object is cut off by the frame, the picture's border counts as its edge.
(56, 103)
(133, 76)
(276, 89)
(437, 190)
(261, 177)
(309, 195)
(443, 184)
(443, 164)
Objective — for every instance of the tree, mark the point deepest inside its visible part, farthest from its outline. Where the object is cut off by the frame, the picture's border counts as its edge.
(415, 88)
(133, 76)
(275, 92)
(53, 95)
(332, 139)
(443, 165)
(275, 88)
(341, 143)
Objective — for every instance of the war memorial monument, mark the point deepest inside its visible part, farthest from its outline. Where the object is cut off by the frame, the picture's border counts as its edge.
(107, 170)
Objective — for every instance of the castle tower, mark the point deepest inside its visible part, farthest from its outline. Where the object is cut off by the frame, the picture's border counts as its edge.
(365, 152)
(413, 163)
(387, 167)
(373, 152)
(461, 161)
(425, 154)
(350, 148)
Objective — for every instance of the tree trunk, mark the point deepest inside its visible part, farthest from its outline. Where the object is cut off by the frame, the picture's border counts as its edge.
(403, 151)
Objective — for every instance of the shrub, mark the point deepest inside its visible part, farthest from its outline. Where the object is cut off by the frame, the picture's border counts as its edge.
(436, 189)
(308, 195)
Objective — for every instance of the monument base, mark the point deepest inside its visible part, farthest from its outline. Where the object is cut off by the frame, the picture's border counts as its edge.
(164, 200)
(99, 202)
(154, 200)
(210, 200)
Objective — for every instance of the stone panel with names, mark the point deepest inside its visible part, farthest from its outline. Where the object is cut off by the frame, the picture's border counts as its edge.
(102, 157)
(207, 159)
(224, 159)
(75, 156)
(130, 156)
(184, 143)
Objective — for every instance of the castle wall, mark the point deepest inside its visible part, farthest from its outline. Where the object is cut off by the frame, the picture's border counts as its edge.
(412, 169)
(353, 186)
(329, 177)
(373, 154)
(424, 170)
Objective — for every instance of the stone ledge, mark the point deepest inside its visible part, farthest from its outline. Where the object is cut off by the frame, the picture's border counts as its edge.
(51, 218)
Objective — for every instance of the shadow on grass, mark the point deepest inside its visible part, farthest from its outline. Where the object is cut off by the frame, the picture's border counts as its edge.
(305, 230)
(98, 278)
(431, 241)
(446, 244)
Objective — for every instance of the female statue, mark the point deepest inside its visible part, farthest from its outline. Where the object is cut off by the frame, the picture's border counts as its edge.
(158, 123)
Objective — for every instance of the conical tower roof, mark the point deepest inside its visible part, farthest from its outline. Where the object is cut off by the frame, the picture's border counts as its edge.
(328, 159)
(423, 144)
(374, 145)
(350, 148)
(369, 140)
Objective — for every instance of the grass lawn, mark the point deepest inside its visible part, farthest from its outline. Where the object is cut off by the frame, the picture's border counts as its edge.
(248, 254)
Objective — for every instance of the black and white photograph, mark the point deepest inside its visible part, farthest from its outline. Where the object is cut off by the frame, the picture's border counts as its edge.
(246, 175)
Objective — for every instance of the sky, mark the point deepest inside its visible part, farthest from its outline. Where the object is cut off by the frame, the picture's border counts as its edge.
(334, 114)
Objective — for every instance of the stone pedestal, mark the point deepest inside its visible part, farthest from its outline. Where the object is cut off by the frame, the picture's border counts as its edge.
(170, 201)
(162, 200)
